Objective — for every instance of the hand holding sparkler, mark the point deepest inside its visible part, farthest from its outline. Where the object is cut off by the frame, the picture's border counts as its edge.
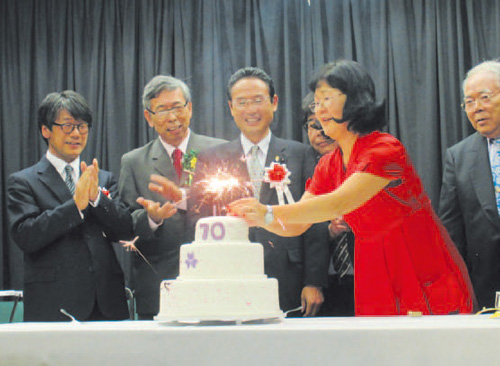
(157, 212)
(165, 187)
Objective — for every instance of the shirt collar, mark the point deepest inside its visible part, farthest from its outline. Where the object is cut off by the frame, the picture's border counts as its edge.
(182, 146)
(262, 144)
(60, 164)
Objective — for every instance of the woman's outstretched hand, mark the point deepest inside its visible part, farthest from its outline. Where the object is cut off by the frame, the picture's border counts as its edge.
(248, 209)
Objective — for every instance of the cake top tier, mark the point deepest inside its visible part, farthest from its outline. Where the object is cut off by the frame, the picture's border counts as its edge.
(221, 229)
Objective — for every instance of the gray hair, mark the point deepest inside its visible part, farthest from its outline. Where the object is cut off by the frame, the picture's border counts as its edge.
(160, 83)
(492, 66)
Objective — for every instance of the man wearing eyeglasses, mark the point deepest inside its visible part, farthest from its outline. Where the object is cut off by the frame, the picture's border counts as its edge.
(64, 215)
(296, 262)
(154, 182)
(470, 195)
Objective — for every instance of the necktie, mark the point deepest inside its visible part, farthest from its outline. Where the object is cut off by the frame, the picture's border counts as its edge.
(68, 169)
(340, 257)
(495, 170)
(256, 170)
(177, 157)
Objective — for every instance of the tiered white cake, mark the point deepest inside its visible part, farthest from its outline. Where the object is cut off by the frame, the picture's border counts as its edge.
(221, 277)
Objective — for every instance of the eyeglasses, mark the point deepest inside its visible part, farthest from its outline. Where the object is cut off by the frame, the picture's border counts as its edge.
(176, 111)
(68, 128)
(485, 99)
(313, 124)
(242, 103)
(326, 102)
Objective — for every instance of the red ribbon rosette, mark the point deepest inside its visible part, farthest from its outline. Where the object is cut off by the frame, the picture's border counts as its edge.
(104, 191)
(277, 175)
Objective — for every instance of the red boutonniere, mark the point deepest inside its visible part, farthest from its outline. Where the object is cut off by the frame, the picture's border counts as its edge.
(277, 175)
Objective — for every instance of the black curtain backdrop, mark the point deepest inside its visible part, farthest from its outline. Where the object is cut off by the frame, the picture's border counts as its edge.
(416, 50)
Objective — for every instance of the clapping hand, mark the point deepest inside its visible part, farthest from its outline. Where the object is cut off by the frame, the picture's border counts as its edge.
(157, 212)
(165, 187)
(87, 187)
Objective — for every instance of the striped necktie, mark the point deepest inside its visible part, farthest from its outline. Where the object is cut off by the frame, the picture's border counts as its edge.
(340, 257)
(495, 170)
(68, 169)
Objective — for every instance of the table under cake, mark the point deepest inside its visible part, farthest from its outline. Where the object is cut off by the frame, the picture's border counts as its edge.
(428, 340)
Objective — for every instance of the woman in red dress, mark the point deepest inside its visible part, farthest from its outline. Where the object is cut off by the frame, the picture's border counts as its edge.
(404, 258)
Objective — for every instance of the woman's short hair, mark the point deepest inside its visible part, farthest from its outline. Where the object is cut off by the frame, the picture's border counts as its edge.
(360, 109)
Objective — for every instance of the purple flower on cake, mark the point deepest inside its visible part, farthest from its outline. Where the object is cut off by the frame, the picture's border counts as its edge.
(191, 261)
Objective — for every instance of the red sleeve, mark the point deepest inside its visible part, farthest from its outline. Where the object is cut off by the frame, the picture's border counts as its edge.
(384, 156)
(322, 180)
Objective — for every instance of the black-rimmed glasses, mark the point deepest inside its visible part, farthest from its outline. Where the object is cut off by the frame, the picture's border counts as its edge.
(68, 128)
(315, 125)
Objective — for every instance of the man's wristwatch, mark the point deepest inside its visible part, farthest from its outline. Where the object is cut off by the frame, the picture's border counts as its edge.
(269, 216)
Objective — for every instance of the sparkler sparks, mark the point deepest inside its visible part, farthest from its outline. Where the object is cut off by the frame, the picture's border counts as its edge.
(129, 245)
(281, 223)
(222, 188)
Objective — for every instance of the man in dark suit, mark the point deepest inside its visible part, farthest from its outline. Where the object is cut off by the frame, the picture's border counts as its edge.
(159, 224)
(469, 202)
(339, 292)
(299, 263)
(66, 237)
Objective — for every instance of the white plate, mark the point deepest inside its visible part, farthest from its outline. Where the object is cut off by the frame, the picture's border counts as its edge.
(212, 320)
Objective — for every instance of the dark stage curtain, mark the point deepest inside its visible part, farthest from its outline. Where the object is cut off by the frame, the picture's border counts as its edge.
(416, 50)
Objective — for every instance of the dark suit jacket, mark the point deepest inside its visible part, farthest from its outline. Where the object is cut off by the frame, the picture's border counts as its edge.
(69, 262)
(468, 210)
(160, 247)
(294, 261)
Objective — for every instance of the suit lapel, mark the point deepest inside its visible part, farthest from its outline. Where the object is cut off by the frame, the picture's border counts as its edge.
(237, 156)
(194, 144)
(161, 162)
(51, 179)
(481, 178)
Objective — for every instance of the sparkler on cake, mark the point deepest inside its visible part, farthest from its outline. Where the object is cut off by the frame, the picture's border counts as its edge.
(221, 188)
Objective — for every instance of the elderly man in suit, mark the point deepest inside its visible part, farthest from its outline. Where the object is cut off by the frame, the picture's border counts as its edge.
(299, 263)
(64, 216)
(470, 196)
(159, 224)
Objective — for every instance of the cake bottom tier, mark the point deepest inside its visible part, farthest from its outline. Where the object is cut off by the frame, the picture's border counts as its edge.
(221, 299)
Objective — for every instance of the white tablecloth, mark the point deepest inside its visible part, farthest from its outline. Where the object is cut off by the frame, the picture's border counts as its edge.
(429, 340)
